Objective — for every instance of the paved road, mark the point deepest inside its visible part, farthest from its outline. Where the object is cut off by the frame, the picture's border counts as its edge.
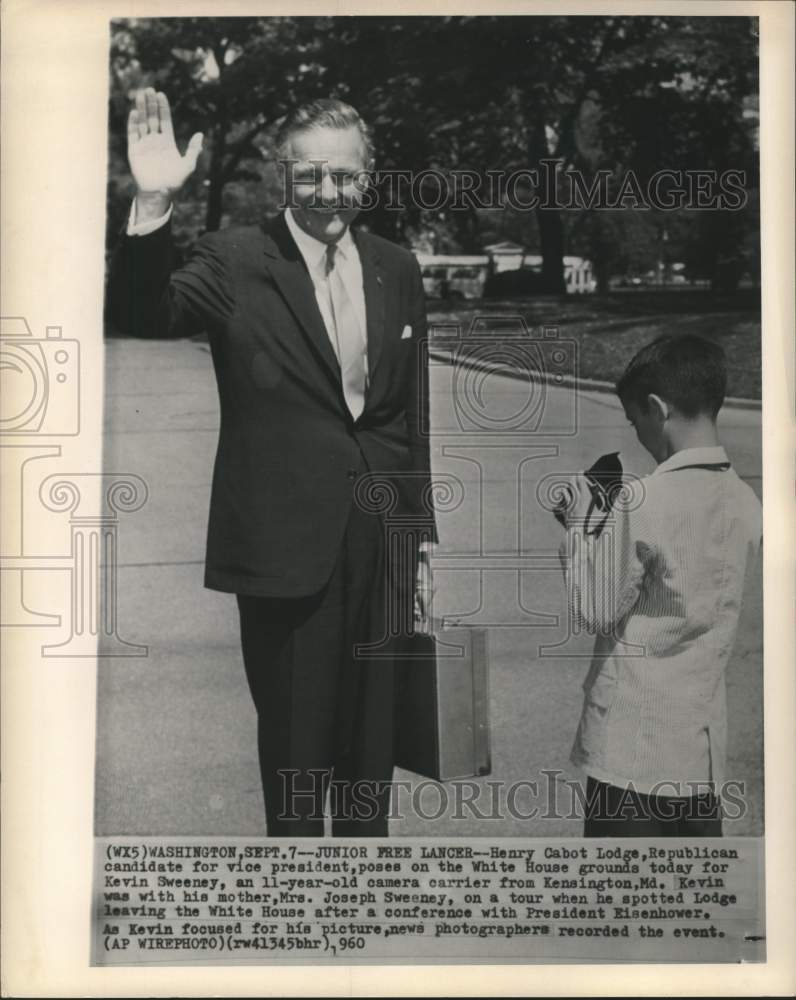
(176, 730)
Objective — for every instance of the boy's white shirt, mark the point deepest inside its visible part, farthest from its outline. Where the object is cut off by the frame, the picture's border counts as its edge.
(662, 587)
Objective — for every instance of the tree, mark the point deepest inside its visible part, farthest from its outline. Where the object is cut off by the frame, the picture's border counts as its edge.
(615, 94)
(231, 78)
(592, 94)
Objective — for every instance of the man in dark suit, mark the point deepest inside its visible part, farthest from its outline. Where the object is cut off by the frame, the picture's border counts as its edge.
(317, 335)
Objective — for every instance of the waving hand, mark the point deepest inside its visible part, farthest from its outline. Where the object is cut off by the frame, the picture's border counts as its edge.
(155, 161)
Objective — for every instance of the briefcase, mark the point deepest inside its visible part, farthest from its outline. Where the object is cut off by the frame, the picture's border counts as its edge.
(442, 702)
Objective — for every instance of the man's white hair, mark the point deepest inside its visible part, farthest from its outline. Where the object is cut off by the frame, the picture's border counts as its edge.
(324, 113)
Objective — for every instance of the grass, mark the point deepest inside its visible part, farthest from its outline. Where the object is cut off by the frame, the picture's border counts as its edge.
(609, 329)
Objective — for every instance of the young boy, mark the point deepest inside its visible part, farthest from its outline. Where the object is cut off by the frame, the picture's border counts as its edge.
(661, 582)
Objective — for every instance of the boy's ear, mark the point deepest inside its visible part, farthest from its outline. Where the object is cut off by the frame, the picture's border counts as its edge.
(659, 407)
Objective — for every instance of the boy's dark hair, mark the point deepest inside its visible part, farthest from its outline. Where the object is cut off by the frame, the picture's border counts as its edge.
(686, 371)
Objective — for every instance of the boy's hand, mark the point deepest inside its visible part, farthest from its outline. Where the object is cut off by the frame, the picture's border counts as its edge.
(578, 509)
(424, 592)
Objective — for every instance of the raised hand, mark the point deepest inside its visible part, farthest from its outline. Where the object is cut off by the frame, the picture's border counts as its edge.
(155, 162)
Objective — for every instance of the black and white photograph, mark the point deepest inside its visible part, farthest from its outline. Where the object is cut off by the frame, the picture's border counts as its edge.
(418, 569)
(542, 227)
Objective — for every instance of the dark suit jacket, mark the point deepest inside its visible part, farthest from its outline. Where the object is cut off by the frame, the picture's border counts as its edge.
(288, 450)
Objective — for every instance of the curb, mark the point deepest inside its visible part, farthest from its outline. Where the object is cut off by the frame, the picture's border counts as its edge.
(563, 381)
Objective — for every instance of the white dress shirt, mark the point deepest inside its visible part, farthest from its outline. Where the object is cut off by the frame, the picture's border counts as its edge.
(145, 228)
(348, 266)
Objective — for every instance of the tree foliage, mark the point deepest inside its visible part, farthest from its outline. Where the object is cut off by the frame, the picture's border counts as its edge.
(616, 94)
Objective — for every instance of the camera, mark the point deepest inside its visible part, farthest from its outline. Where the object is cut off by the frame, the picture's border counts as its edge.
(604, 479)
(503, 377)
(40, 381)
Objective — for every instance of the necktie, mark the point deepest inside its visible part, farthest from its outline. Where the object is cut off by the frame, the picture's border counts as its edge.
(349, 344)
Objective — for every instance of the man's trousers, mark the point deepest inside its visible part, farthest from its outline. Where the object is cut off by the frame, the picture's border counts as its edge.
(324, 713)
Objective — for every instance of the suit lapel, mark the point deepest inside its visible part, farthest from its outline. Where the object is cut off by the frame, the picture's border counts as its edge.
(287, 268)
(373, 284)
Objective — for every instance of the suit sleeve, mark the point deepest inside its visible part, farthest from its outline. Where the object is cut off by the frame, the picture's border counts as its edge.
(153, 294)
(417, 410)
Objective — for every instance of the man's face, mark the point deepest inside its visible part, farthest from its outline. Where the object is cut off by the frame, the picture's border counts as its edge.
(325, 183)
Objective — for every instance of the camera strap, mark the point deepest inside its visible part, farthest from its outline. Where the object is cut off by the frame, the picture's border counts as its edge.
(710, 466)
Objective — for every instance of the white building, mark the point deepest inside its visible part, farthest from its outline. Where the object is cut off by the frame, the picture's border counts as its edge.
(464, 275)
(578, 274)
